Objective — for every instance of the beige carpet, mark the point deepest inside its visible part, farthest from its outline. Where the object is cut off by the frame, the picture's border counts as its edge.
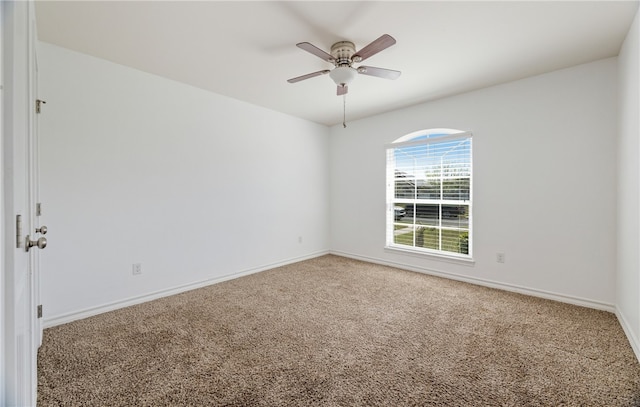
(337, 332)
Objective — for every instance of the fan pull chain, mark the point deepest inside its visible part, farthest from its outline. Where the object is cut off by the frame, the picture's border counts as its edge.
(344, 111)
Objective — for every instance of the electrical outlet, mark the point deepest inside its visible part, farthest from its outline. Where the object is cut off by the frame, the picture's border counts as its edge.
(137, 269)
(500, 257)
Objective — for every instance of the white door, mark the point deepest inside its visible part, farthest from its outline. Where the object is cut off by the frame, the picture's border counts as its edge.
(19, 290)
(35, 204)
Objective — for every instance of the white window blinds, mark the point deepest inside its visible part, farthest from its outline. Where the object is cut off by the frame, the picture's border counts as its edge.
(429, 194)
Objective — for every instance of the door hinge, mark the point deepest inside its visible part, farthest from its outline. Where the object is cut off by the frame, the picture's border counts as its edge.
(38, 209)
(39, 103)
(40, 311)
(18, 231)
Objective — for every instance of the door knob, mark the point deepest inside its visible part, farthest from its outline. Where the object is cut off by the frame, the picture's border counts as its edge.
(41, 243)
(42, 229)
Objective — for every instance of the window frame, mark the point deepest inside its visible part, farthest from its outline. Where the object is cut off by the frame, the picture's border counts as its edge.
(430, 136)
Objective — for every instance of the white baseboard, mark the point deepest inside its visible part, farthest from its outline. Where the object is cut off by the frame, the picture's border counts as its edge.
(633, 339)
(603, 306)
(76, 315)
(88, 312)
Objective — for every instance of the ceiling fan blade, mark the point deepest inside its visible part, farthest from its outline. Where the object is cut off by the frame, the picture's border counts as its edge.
(342, 90)
(385, 41)
(307, 76)
(312, 49)
(379, 72)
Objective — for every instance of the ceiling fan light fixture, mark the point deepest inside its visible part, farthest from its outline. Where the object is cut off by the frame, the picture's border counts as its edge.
(343, 75)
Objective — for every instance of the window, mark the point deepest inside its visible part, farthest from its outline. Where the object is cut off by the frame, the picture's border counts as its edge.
(429, 193)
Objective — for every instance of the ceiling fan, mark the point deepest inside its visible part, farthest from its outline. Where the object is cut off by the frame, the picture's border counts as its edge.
(343, 55)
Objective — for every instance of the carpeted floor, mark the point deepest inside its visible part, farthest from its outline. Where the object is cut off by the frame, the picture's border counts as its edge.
(338, 332)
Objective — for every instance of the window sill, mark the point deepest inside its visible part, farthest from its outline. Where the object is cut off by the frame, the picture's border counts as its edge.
(432, 256)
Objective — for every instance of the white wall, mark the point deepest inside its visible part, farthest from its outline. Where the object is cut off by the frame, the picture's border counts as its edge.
(195, 186)
(544, 183)
(628, 259)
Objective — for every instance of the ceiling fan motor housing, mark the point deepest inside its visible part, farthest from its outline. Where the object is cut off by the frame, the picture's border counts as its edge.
(342, 52)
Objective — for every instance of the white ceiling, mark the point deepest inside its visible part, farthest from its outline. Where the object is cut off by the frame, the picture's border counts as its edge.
(246, 50)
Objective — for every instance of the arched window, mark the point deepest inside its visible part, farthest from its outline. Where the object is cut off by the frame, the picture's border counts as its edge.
(429, 187)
